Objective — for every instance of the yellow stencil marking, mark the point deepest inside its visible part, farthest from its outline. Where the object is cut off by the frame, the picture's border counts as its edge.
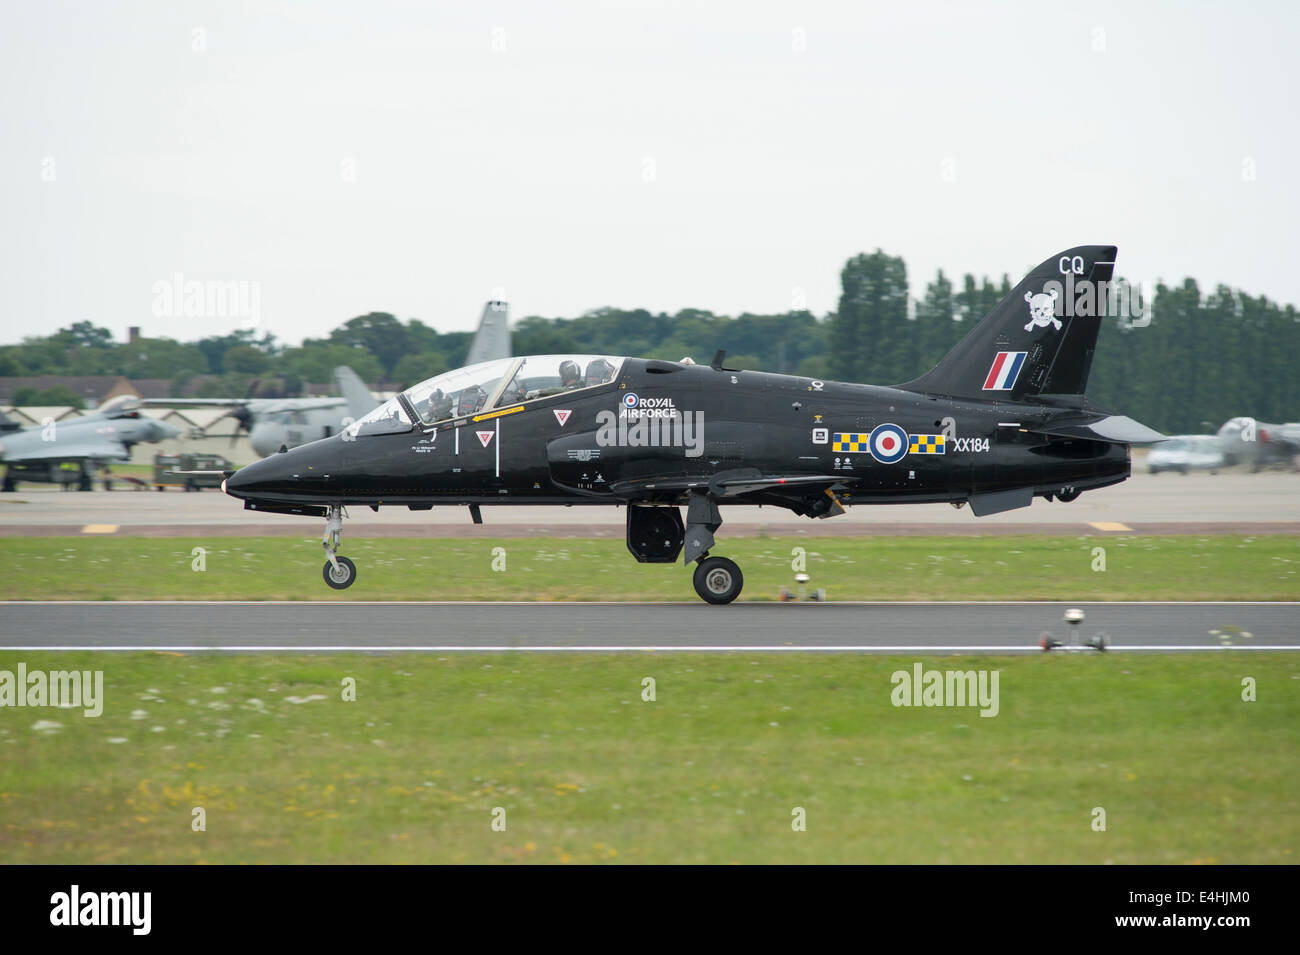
(497, 414)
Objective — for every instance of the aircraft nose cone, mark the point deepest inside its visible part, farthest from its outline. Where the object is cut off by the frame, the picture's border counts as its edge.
(245, 480)
(301, 474)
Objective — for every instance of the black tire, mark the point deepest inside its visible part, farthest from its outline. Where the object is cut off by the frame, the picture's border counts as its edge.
(1067, 494)
(345, 578)
(718, 580)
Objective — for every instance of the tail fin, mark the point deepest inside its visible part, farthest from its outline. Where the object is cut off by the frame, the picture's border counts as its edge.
(492, 340)
(1038, 340)
(360, 401)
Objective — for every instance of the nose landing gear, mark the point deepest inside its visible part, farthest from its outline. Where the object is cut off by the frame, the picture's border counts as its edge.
(339, 572)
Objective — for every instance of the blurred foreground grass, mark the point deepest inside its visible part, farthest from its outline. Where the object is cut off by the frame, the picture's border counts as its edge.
(710, 771)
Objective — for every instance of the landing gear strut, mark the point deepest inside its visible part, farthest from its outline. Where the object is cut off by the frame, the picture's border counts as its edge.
(339, 572)
(717, 579)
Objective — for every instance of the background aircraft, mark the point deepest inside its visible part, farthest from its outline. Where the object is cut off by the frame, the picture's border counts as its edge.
(492, 340)
(272, 423)
(1000, 420)
(69, 452)
(1257, 444)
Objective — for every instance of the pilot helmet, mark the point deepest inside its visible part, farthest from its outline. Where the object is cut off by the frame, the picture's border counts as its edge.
(569, 373)
(599, 371)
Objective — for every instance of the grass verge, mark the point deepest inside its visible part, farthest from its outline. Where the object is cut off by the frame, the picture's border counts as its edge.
(1033, 567)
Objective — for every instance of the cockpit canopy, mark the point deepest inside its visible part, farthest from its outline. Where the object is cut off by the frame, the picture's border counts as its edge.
(123, 406)
(488, 385)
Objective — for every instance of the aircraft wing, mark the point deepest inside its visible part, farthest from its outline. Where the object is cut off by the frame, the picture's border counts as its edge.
(197, 402)
(727, 483)
(105, 449)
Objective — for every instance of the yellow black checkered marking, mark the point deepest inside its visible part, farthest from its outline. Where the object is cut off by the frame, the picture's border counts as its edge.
(926, 444)
(854, 442)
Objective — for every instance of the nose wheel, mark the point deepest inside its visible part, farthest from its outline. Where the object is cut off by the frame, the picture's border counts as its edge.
(339, 572)
(718, 580)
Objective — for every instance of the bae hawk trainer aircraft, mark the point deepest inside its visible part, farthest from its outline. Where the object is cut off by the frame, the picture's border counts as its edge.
(1002, 419)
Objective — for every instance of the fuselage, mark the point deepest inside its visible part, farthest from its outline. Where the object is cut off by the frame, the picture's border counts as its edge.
(660, 425)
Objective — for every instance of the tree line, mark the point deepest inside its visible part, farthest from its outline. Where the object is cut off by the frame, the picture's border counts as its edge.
(1202, 359)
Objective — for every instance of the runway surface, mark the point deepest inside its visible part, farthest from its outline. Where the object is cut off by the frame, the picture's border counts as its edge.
(612, 627)
(1230, 502)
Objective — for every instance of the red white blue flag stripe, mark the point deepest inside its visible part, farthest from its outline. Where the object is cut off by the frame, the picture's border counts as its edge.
(1005, 370)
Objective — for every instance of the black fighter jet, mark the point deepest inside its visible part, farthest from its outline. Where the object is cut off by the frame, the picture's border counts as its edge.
(1001, 419)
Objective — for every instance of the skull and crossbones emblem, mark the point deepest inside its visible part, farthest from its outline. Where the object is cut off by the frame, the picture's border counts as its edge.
(1042, 309)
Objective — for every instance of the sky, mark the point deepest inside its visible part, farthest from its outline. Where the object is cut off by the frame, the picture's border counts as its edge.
(333, 159)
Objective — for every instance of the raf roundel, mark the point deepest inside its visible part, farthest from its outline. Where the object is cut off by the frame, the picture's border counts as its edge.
(630, 400)
(888, 443)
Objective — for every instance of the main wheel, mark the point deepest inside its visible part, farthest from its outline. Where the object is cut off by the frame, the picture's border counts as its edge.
(718, 580)
(1067, 494)
(343, 577)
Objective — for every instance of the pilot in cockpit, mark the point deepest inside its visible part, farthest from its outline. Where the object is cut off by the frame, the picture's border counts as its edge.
(436, 407)
(570, 375)
(471, 399)
(599, 371)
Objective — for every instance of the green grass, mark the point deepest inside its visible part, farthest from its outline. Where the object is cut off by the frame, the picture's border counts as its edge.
(709, 772)
(1217, 567)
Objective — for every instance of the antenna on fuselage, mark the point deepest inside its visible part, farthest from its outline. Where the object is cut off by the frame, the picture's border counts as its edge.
(716, 364)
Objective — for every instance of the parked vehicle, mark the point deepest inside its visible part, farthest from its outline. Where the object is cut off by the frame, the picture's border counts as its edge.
(165, 464)
(1186, 452)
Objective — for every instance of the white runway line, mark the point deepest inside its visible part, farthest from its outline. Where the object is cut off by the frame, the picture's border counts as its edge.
(646, 603)
(831, 648)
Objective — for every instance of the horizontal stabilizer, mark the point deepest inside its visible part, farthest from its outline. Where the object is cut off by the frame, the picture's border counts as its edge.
(1117, 429)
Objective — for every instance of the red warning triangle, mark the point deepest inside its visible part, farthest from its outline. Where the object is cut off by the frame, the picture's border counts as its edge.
(562, 415)
(485, 436)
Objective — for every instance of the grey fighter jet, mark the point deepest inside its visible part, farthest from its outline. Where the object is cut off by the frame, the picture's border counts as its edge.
(70, 452)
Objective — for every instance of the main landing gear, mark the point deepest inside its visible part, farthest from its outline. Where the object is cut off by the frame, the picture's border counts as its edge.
(339, 572)
(656, 535)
